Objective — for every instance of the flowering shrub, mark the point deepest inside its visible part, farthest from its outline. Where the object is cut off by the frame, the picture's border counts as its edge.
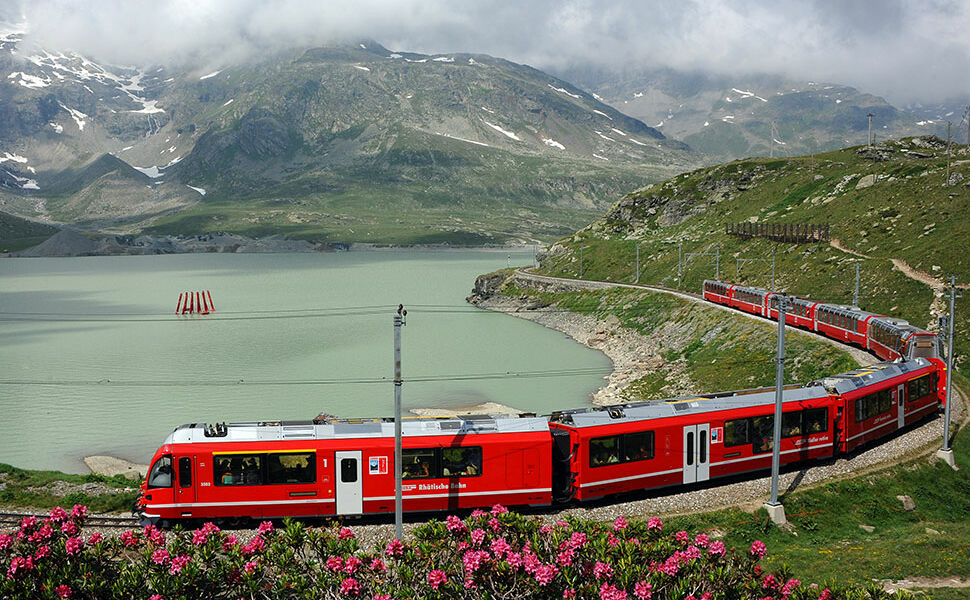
(490, 554)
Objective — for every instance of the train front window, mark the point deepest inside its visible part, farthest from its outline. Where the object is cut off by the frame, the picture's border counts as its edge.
(161, 474)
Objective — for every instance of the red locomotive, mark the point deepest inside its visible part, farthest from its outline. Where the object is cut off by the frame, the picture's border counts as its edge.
(332, 466)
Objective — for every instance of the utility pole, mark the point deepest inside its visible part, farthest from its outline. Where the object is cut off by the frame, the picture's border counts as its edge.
(948, 124)
(637, 280)
(775, 509)
(869, 142)
(946, 453)
(680, 259)
(855, 297)
(399, 321)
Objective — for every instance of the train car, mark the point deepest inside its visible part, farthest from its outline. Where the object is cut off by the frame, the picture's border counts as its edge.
(801, 314)
(890, 338)
(718, 291)
(844, 323)
(656, 444)
(873, 402)
(346, 467)
(750, 299)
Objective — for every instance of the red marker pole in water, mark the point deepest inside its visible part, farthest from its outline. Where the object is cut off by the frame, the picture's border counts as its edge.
(205, 305)
(179, 306)
(212, 306)
(198, 304)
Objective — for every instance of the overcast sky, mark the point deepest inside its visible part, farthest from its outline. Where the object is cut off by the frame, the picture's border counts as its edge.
(905, 50)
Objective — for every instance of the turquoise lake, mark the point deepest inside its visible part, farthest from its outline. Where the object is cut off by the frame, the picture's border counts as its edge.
(93, 359)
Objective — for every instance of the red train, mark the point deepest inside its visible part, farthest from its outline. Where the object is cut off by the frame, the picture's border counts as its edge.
(888, 338)
(332, 466)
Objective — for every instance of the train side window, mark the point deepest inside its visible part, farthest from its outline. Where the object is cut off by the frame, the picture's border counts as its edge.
(292, 467)
(885, 401)
(604, 451)
(235, 469)
(861, 406)
(463, 462)
(815, 420)
(791, 424)
(736, 432)
(763, 433)
(638, 446)
(161, 474)
(418, 463)
(185, 472)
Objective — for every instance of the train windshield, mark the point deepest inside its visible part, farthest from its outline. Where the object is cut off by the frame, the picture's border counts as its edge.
(161, 473)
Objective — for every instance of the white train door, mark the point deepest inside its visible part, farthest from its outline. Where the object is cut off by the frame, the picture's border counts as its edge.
(900, 407)
(697, 440)
(349, 488)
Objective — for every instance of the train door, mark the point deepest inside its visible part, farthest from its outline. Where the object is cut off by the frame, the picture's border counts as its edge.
(185, 473)
(349, 488)
(697, 453)
(900, 406)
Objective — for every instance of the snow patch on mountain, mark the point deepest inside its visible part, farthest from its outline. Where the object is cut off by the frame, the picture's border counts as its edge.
(746, 94)
(30, 81)
(553, 143)
(564, 91)
(504, 132)
(78, 116)
(200, 190)
(461, 139)
(599, 112)
(228, 102)
(444, 59)
(149, 108)
(210, 75)
(361, 68)
(599, 157)
(14, 157)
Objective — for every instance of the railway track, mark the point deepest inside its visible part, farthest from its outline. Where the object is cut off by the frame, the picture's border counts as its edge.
(14, 519)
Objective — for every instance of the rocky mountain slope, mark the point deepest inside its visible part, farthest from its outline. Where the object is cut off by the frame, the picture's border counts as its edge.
(345, 143)
(737, 117)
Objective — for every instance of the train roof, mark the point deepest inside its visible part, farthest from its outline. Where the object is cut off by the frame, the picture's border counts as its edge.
(658, 409)
(333, 429)
(853, 380)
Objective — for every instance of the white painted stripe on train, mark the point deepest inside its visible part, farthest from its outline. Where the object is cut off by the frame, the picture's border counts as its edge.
(244, 503)
(631, 477)
(894, 422)
(486, 493)
(768, 454)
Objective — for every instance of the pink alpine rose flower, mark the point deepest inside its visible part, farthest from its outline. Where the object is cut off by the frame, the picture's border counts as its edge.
(620, 524)
(378, 565)
(64, 591)
(655, 523)
(345, 534)
(178, 563)
(160, 556)
(758, 549)
(58, 515)
(643, 590)
(717, 548)
(602, 570)
(265, 527)
(349, 586)
(74, 545)
(436, 578)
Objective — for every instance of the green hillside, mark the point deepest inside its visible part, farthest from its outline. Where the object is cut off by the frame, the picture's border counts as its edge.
(889, 202)
(17, 234)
